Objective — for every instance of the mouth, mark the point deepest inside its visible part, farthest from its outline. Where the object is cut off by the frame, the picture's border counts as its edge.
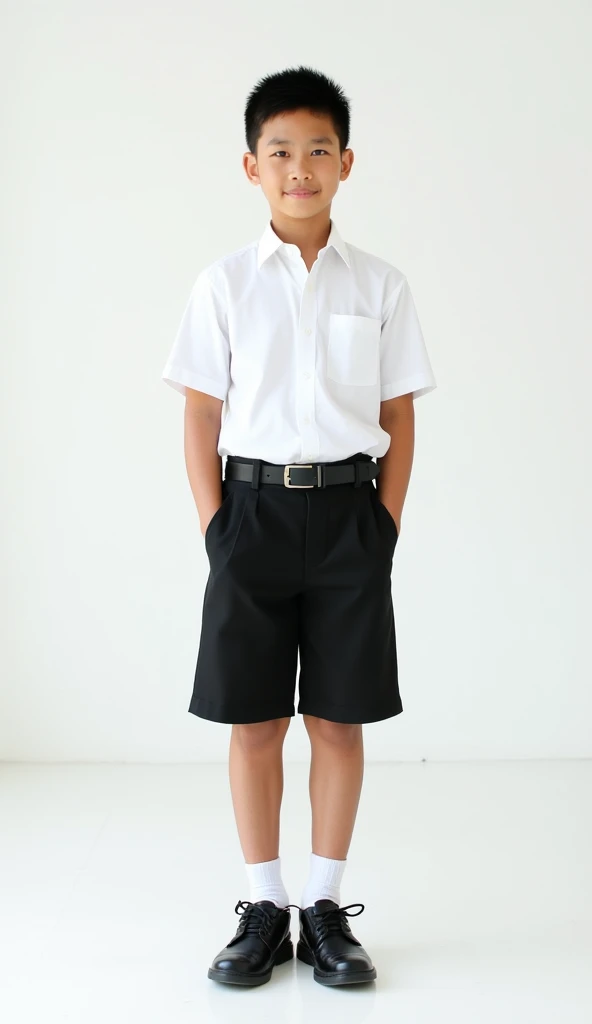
(301, 194)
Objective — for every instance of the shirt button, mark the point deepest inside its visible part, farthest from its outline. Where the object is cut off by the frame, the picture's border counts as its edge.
(307, 375)
(307, 420)
(307, 330)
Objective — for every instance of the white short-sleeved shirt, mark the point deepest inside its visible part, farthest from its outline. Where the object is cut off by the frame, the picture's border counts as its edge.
(302, 360)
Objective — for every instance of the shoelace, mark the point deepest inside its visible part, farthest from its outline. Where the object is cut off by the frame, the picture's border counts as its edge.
(332, 921)
(254, 916)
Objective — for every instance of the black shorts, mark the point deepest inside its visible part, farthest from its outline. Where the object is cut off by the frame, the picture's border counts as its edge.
(298, 572)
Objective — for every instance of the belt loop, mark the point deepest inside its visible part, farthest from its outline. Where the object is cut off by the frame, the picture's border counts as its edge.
(256, 473)
(358, 472)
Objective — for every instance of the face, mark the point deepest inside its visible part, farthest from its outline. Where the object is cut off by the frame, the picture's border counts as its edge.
(298, 150)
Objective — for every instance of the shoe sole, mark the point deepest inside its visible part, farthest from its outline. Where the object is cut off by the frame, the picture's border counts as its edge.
(335, 978)
(283, 953)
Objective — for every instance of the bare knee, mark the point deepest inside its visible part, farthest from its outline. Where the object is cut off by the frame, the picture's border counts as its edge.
(255, 736)
(336, 733)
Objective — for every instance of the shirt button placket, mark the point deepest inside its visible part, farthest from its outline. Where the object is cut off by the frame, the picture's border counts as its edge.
(306, 387)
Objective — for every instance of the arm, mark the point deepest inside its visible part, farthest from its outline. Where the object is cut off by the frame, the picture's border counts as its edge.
(203, 415)
(397, 417)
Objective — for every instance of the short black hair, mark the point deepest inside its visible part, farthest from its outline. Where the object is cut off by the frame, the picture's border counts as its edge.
(295, 89)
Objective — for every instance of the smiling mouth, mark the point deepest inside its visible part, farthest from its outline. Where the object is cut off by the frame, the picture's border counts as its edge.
(301, 194)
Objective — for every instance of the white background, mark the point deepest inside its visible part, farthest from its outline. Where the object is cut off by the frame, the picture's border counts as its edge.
(123, 141)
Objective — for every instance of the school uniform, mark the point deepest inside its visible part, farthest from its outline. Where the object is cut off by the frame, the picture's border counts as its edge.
(301, 548)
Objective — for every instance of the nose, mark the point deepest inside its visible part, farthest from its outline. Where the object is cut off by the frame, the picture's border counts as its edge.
(299, 169)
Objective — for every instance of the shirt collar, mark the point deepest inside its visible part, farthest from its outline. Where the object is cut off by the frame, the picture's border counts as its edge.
(269, 242)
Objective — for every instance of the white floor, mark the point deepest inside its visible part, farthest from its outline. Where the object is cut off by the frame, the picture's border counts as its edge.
(119, 882)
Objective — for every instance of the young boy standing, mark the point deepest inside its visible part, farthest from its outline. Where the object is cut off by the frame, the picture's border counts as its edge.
(314, 348)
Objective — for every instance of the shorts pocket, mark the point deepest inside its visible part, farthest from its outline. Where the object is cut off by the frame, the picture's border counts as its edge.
(390, 519)
(384, 512)
(216, 517)
(353, 349)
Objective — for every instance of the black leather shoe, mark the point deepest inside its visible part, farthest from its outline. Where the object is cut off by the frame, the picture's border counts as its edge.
(262, 941)
(326, 943)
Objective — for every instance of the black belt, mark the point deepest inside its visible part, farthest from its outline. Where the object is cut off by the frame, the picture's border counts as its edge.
(316, 474)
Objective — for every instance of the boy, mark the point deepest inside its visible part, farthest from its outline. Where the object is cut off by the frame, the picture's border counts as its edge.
(315, 347)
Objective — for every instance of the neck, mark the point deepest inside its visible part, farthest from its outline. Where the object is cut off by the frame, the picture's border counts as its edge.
(309, 235)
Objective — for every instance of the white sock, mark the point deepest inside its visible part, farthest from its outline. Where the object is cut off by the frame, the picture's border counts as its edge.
(266, 882)
(324, 880)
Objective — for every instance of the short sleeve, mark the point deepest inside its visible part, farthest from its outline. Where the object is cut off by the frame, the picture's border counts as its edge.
(200, 355)
(404, 362)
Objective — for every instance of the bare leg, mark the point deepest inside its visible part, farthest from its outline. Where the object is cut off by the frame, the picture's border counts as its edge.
(257, 783)
(335, 784)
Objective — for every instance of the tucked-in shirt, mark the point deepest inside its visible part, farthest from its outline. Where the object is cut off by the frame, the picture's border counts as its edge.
(301, 360)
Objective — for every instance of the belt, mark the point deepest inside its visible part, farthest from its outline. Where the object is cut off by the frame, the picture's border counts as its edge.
(316, 474)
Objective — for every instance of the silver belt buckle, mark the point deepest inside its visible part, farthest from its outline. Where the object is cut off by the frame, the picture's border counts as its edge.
(297, 465)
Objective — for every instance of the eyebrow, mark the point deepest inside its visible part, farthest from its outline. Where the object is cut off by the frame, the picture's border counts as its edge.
(321, 138)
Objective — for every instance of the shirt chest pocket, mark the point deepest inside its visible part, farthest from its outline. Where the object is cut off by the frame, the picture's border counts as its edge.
(353, 349)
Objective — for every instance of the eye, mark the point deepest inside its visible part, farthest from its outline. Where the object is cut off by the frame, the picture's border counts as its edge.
(314, 151)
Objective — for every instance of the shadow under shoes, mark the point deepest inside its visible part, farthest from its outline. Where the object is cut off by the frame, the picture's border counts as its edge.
(326, 943)
(262, 941)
